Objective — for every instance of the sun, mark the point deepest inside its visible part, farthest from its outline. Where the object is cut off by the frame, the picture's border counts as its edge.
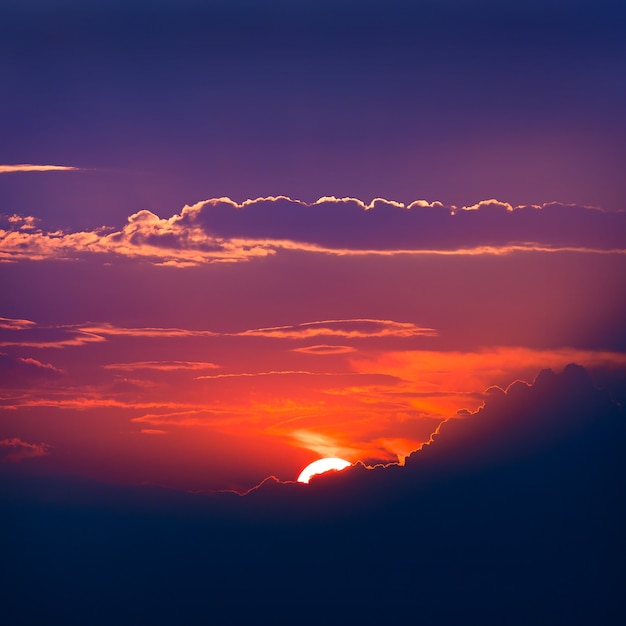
(321, 466)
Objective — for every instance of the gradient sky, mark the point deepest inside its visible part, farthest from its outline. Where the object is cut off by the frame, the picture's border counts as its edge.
(238, 236)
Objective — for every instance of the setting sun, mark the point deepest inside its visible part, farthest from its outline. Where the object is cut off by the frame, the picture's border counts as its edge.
(321, 466)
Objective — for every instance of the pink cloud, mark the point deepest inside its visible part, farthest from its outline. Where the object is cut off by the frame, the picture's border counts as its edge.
(34, 336)
(15, 324)
(29, 167)
(21, 371)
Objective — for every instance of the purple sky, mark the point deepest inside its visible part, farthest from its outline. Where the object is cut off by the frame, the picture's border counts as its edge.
(238, 236)
(166, 104)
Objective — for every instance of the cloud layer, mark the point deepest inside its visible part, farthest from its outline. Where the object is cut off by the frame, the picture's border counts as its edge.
(221, 230)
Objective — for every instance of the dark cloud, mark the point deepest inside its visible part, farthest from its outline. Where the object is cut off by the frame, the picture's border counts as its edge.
(15, 450)
(385, 225)
(522, 421)
(220, 230)
(530, 533)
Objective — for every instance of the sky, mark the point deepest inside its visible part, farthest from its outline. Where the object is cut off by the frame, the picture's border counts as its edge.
(237, 237)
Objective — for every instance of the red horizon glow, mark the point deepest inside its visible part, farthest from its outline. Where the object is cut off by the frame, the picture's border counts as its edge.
(163, 366)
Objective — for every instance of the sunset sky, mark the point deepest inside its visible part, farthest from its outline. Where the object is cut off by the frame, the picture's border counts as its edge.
(239, 236)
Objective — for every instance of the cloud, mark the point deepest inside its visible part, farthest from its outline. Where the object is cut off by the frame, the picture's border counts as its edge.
(522, 420)
(19, 222)
(348, 328)
(221, 230)
(190, 417)
(27, 333)
(323, 445)
(25, 370)
(366, 378)
(258, 374)
(324, 349)
(383, 225)
(165, 366)
(459, 540)
(15, 450)
(15, 324)
(552, 419)
(433, 372)
(29, 167)
(117, 331)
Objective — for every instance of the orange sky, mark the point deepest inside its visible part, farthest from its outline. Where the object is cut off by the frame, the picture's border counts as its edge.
(217, 375)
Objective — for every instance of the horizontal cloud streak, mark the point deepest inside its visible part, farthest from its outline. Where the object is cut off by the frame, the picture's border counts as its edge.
(29, 334)
(165, 366)
(220, 230)
(351, 329)
(324, 349)
(7, 323)
(30, 167)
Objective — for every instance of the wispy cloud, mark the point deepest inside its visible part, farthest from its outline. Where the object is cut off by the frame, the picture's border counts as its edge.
(165, 366)
(8, 323)
(191, 417)
(112, 330)
(347, 328)
(324, 349)
(30, 167)
(28, 334)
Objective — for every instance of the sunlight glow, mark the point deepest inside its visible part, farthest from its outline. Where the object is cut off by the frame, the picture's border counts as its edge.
(322, 466)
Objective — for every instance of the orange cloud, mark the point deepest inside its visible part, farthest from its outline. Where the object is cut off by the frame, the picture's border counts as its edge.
(349, 328)
(165, 366)
(111, 330)
(29, 167)
(324, 349)
(199, 416)
(435, 381)
(324, 445)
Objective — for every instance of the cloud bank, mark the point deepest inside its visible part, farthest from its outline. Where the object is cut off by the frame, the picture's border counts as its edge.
(221, 230)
